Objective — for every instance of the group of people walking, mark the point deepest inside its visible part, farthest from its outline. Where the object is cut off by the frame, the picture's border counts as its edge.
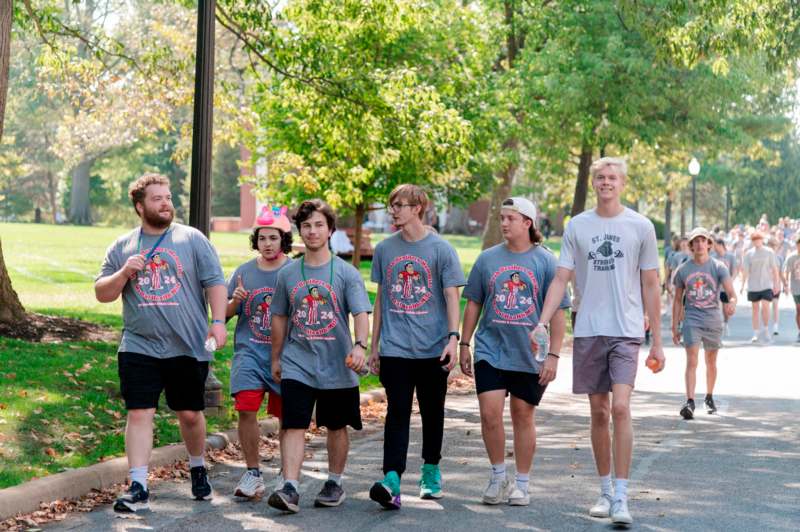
(293, 345)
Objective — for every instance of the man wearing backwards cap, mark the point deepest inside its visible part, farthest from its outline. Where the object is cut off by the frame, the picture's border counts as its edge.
(699, 280)
(761, 277)
(508, 284)
(250, 290)
(614, 254)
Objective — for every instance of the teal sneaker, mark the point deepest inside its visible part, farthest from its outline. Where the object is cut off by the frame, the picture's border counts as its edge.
(430, 485)
(387, 492)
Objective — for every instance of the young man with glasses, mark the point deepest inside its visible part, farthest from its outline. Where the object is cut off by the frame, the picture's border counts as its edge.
(414, 339)
(313, 356)
(165, 273)
(508, 284)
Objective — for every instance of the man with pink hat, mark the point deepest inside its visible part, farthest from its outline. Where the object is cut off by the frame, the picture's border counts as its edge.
(250, 290)
(761, 276)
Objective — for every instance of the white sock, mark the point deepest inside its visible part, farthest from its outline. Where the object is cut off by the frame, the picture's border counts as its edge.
(522, 481)
(336, 478)
(605, 485)
(294, 484)
(196, 461)
(139, 474)
(498, 471)
(621, 489)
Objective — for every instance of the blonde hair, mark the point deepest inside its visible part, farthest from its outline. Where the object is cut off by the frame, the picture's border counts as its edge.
(601, 163)
(414, 194)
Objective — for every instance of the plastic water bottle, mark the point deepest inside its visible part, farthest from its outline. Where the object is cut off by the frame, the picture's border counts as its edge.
(211, 344)
(541, 339)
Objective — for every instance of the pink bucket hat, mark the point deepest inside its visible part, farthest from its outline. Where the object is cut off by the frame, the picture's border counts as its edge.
(275, 218)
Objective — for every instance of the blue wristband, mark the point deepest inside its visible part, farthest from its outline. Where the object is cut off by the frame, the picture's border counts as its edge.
(217, 321)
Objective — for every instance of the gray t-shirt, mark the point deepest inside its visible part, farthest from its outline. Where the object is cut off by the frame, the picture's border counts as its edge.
(792, 266)
(318, 338)
(676, 259)
(412, 277)
(758, 264)
(728, 259)
(511, 287)
(701, 284)
(608, 256)
(251, 368)
(164, 309)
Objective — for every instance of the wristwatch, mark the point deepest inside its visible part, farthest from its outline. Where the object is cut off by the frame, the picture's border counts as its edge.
(453, 333)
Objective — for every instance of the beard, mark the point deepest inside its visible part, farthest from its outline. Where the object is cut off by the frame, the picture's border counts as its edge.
(155, 219)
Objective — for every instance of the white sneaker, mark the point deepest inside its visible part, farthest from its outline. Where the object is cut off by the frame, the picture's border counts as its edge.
(250, 486)
(518, 498)
(775, 330)
(497, 491)
(602, 508)
(620, 514)
(754, 339)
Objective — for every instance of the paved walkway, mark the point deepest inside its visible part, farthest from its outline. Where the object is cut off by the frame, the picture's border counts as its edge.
(738, 470)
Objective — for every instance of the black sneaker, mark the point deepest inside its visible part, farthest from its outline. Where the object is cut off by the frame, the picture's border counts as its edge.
(286, 499)
(710, 406)
(134, 500)
(688, 409)
(201, 487)
(331, 494)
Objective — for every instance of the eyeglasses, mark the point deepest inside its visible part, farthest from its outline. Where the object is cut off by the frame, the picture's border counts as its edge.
(397, 206)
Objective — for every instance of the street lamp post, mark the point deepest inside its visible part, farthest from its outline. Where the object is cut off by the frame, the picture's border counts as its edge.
(694, 169)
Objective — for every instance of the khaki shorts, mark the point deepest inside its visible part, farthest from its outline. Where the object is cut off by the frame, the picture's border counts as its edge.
(598, 362)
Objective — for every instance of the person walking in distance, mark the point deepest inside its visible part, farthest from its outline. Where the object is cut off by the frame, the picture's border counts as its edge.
(414, 339)
(727, 258)
(506, 363)
(614, 254)
(761, 278)
(250, 291)
(165, 319)
(316, 361)
(791, 276)
(700, 280)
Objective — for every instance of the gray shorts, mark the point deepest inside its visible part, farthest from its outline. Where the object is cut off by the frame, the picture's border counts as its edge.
(711, 337)
(600, 361)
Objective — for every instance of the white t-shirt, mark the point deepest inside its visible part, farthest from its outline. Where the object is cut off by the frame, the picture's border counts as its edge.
(607, 255)
(759, 264)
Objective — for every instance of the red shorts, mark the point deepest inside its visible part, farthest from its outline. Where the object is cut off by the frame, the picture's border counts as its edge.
(250, 401)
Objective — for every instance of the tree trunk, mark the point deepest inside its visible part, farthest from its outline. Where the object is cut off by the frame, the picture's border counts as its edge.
(79, 206)
(6, 9)
(727, 208)
(582, 184)
(11, 309)
(683, 214)
(668, 221)
(493, 235)
(52, 192)
(361, 210)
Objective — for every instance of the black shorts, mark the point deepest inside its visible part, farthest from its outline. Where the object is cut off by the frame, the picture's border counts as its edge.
(521, 385)
(762, 295)
(723, 297)
(335, 408)
(142, 378)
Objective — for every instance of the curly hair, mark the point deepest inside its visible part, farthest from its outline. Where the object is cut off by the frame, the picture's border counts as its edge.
(138, 189)
(286, 240)
(309, 207)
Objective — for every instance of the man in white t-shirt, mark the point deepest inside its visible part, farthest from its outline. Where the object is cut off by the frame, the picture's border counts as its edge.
(761, 277)
(613, 253)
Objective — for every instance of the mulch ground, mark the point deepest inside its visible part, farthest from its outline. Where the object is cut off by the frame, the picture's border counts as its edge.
(55, 329)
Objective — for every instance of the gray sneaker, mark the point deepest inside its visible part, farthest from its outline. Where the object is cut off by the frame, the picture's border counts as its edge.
(286, 499)
(331, 494)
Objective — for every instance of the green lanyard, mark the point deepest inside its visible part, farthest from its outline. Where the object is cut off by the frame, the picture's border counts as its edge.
(303, 273)
(153, 249)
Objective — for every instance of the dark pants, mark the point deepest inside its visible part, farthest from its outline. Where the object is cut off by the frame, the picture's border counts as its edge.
(400, 376)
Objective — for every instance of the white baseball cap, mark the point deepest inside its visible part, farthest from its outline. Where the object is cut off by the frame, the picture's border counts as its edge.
(524, 206)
